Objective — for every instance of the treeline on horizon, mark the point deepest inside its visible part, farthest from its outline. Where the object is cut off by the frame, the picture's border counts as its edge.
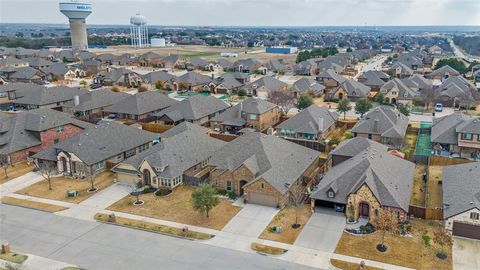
(315, 53)
(58, 42)
(470, 44)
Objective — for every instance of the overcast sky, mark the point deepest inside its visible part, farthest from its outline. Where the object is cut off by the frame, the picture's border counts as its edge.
(256, 12)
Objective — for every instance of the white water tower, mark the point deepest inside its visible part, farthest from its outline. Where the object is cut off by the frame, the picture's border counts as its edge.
(77, 12)
(139, 31)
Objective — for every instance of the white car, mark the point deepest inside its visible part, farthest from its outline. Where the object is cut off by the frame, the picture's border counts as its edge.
(438, 107)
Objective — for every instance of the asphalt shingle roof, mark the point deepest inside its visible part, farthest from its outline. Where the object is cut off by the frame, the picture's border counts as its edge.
(141, 103)
(313, 120)
(461, 188)
(391, 123)
(194, 108)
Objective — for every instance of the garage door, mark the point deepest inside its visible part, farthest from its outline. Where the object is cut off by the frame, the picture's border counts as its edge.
(263, 199)
(466, 230)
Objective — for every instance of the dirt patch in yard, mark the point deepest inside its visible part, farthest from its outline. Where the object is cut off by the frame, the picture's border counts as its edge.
(177, 207)
(404, 251)
(285, 219)
(435, 192)
(419, 186)
(17, 170)
(33, 204)
(61, 185)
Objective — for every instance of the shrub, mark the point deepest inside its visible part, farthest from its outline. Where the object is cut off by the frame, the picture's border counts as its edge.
(222, 192)
(115, 89)
(426, 239)
(242, 93)
(232, 195)
(148, 189)
(142, 88)
(162, 191)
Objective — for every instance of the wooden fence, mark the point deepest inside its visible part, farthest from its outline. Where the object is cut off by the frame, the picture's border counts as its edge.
(223, 137)
(425, 213)
(156, 128)
(315, 145)
(445, 161)
(346, 123)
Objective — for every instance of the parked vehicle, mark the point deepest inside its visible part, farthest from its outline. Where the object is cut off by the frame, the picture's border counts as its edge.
(438, 107)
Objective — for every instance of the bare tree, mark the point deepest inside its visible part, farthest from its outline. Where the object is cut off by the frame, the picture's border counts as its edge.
(282, 99)
(295, 198)
(441, 237)
(48, 170)
(135, 191)
(91, 174)
(429, 96)
(5, 163)
(385, 222)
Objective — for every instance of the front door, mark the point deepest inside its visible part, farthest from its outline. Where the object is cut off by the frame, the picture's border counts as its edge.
(364, 210)
(242, 183)
(146, 177)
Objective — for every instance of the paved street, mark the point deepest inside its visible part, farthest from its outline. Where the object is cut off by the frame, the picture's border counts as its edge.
(322, 231)
(100, 246)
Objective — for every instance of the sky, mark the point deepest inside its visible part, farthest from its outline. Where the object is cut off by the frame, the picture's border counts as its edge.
(256, 12)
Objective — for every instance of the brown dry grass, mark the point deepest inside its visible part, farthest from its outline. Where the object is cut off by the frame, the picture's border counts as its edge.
(62, 184)
(435, 192)
(153, 227)
(419, 186)
(267, 249)
(403, 251)
(19, 169)
(177, 207)
(350, 266)
(410, 141)
(321, 102)
(285, 218)
(33, 204)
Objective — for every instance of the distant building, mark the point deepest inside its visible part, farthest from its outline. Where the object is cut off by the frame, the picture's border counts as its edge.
(284, 50)
(229, 55)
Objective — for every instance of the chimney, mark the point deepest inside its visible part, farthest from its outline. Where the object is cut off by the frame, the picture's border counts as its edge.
(76, 100)
(320, 124)
(213, 76)
(375, 125)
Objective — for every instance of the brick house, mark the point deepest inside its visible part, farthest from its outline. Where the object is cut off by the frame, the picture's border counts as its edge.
(369, 181)
(26, 133)
(257, 114)
(263, 168)
(461, 189)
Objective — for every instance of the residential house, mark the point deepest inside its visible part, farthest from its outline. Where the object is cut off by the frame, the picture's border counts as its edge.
(26, 133)
(305, 68)
(254, 113)
(196, 109)
(176, 160)
(306, 85)
(396, 91)
(191, 81)
(384, 125)
(367, 183)
(352, 147)
(443, 73)
(161, 76)
(12, 62)
(151, 59)
(93, 102)
(350, 89)
(27, 74)
(243, 78)
(249, 65)
(330, 79)
(313, 124)
(47, 97)
(140, 106)
(461, 200)
(225, 85)
(12, 91)
(264, 86)
(457, 91)
(60, 71)
(119, 76)
(373, 79)
(400, 70)
(96, 149)
(263, 169)
(276, 66)
(456, 135)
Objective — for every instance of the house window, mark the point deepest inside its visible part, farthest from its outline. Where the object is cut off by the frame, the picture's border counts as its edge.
(467, 136)
(376, 212)
(154, 180)
(331, 194)
(55, 141)
(474, 215)
(370, 136)
(129, 153)
(229, 186)
(60, 129)
(252, 116)
(478, 137)
(263, 185)
(100, 165)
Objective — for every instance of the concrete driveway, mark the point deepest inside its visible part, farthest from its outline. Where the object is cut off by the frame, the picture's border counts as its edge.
(251, 220)
(466, 254)
(322, 231)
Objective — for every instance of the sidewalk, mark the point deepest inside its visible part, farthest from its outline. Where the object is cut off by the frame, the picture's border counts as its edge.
(19, 183)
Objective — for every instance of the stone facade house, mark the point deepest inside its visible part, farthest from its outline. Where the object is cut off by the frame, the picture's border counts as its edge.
(263, 168)
(370, 181)
(461, 199)
(264, 86)
(396, 91)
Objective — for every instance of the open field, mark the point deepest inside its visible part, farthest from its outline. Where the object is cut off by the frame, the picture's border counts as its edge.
(177, 207)
(435, 192)
(419, 186)
(153, 227)
(33, 204)
(404, 251)
(285, 219)
(61, 185)
(15, 171)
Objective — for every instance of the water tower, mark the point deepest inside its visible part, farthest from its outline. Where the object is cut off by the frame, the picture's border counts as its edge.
(77, 12)
(139, 31)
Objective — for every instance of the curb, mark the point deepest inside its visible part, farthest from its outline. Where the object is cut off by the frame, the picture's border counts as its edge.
(33, 208)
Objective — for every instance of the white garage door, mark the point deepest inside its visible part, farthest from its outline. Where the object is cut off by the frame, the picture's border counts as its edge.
(263, 199)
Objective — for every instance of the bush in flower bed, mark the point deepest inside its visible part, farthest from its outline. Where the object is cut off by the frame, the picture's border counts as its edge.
(163, 191)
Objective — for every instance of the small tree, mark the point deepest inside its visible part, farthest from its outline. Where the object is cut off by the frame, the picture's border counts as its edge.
(429, 94)
(304, 101)
(404, 109)
(242, 93)
(363, 105)
(135, 191)
(204, 198)
(281, 98)
(343, 107)
(441, 237)
(142, 88)
(5, 163)
(385, 222)
(380, 98)
(115, 89)
(295, 197)
(83, 83)
(48, 170)
(91, 174)
(182, 86)
(159, 85)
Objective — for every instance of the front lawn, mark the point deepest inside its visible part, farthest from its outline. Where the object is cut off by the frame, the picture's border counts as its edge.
(177, 207)
(33, 204)
(435, 192)
(61, 185)
(15, 171)
(350, 266)
(13, 257)
(404, 251)
(419, 186)
(284, 219)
